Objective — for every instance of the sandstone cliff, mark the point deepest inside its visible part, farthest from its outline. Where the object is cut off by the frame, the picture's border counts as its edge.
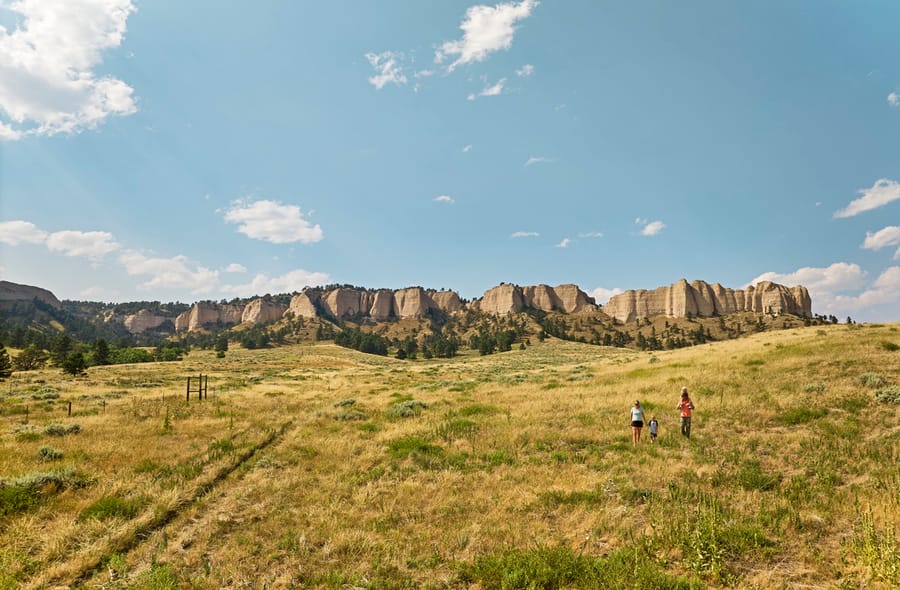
(381, 305)
(506, 299)
(260, 311)
(204, 313)
(142, 321)
(701, 299)
(14, 292)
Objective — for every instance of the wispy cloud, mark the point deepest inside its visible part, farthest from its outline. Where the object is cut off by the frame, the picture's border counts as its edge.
(564, 243)
(525, 71)
(893, 99)
(888, 236)
(593, 234)
(486, 29)
(525, 234)
(295, 280)
(170, 273)
(602, 295)
(387, 68)
(537, 160)
(444, 199)
(14, 233)
(882, 192)
(650, 228)
(236, 268)
(494, 90)
(274, 222)
(48, 67)
(467, 148)
(93, 244)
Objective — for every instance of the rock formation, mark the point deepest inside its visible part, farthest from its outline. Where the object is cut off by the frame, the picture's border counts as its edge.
(260, 311)
(142, 321)
(447, 301)
(14, 292)
(204, 313)
(506, 299)
(302, 306)
(701, 299)
(380, 305)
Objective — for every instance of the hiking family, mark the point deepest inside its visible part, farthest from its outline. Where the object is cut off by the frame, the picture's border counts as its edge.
(685, 406)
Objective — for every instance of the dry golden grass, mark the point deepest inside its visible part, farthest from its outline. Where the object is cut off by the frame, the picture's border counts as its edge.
(299, 470)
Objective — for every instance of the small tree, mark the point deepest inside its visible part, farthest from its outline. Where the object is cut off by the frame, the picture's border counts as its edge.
(75, 364)
(6, 367)
(101, 352)
(30, 359)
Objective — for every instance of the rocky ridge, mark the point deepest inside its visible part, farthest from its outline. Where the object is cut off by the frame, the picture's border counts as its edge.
(701, 299)
(505, 299)
(15, 292)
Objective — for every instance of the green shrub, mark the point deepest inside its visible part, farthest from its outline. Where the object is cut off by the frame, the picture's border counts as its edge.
(402, 448)
(478, 409)
(890, 346)
(28, 436)
(49, 454)
(888, 395)
(27, 491)
(407, 408)
(456, 428)
(348, 415)
(817, 387)
(56, 429)
(113, 507)
(344, 403)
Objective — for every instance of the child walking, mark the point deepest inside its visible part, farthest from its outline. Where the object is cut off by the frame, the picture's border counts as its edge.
(654, 429)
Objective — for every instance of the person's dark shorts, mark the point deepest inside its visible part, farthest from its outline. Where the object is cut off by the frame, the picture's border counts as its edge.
(637, 424)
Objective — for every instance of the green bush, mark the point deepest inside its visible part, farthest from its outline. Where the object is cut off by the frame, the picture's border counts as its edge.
(817, 387)
(344, 403)
(27, 491)
(873, 380)
(801, 415)
(49, 454)
(407, 408)
(56, 429)
(890, 346)
(350, 415)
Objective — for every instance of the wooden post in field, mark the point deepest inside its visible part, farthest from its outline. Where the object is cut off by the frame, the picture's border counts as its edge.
(70, 409)
(187, 395)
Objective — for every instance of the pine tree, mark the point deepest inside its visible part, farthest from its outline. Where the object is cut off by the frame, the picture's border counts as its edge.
(6, 368)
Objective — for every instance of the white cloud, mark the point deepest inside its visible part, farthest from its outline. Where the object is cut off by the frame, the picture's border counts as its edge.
(888, 236)
(893, 99)
(840, 276)
(652, 228)
(593, 234)
(47, 80)
(536, 160)
(486, 29)
(236, 268)
(444, 199)
(601, 295)
(170, 273)
(295, 280)
(525, 71)
(14, 233)
(467, 148)
(494, 90)
(882, 192)
(388, 69)
(273, 222)
(564, 243)
(525, 234)
(93, 293)
(91, 244)
(885, 289)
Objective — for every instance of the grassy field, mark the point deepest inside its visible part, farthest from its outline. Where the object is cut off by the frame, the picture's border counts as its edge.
(319, 467)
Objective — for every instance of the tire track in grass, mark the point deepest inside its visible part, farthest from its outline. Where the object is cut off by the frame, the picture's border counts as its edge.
(131, 540)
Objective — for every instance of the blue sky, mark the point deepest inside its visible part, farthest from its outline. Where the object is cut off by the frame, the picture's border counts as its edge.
(207, 150)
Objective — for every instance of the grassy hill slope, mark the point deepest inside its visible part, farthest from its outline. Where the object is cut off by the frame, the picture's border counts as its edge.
(316, 466)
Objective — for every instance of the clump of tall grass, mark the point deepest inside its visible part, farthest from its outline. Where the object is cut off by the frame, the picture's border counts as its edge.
(57, 429)
(113, 507)
(817, 387)
(349, 415)
(873, 380)
(345, 403)
(27, 491)
(890, 346)
(878, 550)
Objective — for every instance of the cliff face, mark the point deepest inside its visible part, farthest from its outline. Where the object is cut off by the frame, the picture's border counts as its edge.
(507, 299)
(204, 313)
(14, 292)
(381, 305)
(701, 299)
(142, 321)
(260, 311)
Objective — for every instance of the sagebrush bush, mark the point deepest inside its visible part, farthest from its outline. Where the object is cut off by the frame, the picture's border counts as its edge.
(347, 415)
(407, 408)
(872, 380)
(344, 403)
(49, 454)
(888, 395)
(57, 429)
